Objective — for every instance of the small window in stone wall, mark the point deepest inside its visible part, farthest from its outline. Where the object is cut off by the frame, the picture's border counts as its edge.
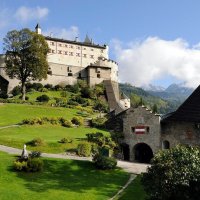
(70, 74)
(98, 75)
(165, 144)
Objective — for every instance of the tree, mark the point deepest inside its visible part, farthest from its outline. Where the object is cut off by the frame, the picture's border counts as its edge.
(26, 56)
(155, 108)
(174, 174)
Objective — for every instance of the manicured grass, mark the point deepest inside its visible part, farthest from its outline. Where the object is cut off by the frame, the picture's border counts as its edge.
(61, 179)
(15, 113)
(134, 191)
(18, 136)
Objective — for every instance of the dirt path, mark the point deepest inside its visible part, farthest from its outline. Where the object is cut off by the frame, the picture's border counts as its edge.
(130, 167)
(10, 126)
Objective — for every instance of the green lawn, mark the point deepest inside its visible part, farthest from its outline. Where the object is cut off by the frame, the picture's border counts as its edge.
(18, 136)
(15, 113)
(134, 191)
(61, 179)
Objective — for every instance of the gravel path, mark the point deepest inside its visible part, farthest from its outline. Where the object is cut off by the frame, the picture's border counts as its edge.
(10, 126)
(130, 167)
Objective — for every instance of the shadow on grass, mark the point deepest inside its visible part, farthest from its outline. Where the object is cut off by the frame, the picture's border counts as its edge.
(75, 176)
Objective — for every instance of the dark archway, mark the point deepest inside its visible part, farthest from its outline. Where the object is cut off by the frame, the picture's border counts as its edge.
(3, 85)
(125, 151)
(165, 144)
(143, 153)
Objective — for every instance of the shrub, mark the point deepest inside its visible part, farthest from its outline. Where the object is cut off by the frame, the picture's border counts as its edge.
(64, 94)
(37, 86)
(34, 165)
(80, 100)
(103, 162)
(74, 88)
(67, 124)
(66, 140)
(43, 98)
(26, 97)
(174, 174)
(99, 122)
(36, 142)
(87, 92)
(72, 102)
(48, 86)
(84, 149)
(35, 154)
(43, 90)
(77, 121)
(101, 106)
(16, 91)
(20, 165)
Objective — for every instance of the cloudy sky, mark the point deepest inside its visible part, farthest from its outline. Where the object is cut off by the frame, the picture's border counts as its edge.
(155, 41)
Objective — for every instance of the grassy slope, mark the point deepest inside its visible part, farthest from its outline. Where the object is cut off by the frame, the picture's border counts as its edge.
(134, 191)
(17, 136)
(61, 179)
(15, 113)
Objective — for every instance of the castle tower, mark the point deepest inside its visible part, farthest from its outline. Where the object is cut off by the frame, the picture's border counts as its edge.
(38, 29)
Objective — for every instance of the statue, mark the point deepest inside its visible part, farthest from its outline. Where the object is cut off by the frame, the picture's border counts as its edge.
(24, 153)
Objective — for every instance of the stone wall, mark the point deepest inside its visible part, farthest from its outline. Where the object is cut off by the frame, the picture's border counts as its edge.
(180, 133)
(141, 116)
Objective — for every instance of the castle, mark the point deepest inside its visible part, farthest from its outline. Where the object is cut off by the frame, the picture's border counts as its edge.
(72, 60)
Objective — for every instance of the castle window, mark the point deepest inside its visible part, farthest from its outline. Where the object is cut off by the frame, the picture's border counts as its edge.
(85, 55)
(102, 51)
(92, 49)
(78, 47)
(60, 45)
(165, 144)
(98, 75)
(78, 54)
(49, 50)
(70, 74)
(91, 56)
(147, 129)
(66, 53)
(59, 52)
(84, 48)
(52, 43)
(66, 45)
(53, 51)
(71, 53)
(72, 46)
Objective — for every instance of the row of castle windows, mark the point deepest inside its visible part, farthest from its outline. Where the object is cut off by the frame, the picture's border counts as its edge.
(71, 46)
(71, 53)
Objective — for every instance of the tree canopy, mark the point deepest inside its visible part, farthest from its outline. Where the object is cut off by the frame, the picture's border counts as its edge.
(174, 174)
(26, 56)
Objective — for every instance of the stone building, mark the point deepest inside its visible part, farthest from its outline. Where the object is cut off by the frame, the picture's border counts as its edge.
(72, 60)
(145, 133)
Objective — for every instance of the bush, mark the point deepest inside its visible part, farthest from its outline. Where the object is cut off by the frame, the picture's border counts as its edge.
(20, 165)
(66, 140)
(84, 149)
(87, 92)
(35, 154)
(43, 98)
(174, 174)
(67, 124)
(48, 86)
(34, 165)
(36, 142)
(77, 121)
(43, 90)
(31, 165)
(99, 122)
(26, 97)
(72, 102)
(103, 162)
(101, 106)
(16, 91)
(64, 94)
(37, 86)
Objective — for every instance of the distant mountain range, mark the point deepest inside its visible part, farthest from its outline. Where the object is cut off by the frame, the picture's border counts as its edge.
(167, 100)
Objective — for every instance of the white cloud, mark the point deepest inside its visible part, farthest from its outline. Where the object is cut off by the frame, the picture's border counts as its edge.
(154, 59)
(71, 33)
(25, 14)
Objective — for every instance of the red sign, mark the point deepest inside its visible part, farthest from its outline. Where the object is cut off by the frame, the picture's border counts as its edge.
(140, 129)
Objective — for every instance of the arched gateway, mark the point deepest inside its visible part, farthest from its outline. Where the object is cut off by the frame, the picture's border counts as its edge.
(143, 153)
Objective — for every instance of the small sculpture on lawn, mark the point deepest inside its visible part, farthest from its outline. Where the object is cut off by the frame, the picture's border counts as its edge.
(24, 153)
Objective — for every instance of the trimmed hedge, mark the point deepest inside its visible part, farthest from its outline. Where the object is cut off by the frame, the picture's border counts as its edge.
(84, 149)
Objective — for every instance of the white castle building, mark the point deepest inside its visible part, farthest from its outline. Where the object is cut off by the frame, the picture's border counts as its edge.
(72, 60)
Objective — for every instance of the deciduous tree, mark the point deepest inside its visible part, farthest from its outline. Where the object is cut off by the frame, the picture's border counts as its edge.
(26, 56)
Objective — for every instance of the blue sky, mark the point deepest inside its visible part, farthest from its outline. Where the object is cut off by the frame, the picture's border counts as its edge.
(153, 41)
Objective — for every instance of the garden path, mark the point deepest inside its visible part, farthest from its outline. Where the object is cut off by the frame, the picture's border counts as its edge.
(130, 167)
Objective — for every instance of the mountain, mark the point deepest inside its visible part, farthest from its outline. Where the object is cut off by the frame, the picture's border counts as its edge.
(155, 88)
(174, 93)
(167, 100)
